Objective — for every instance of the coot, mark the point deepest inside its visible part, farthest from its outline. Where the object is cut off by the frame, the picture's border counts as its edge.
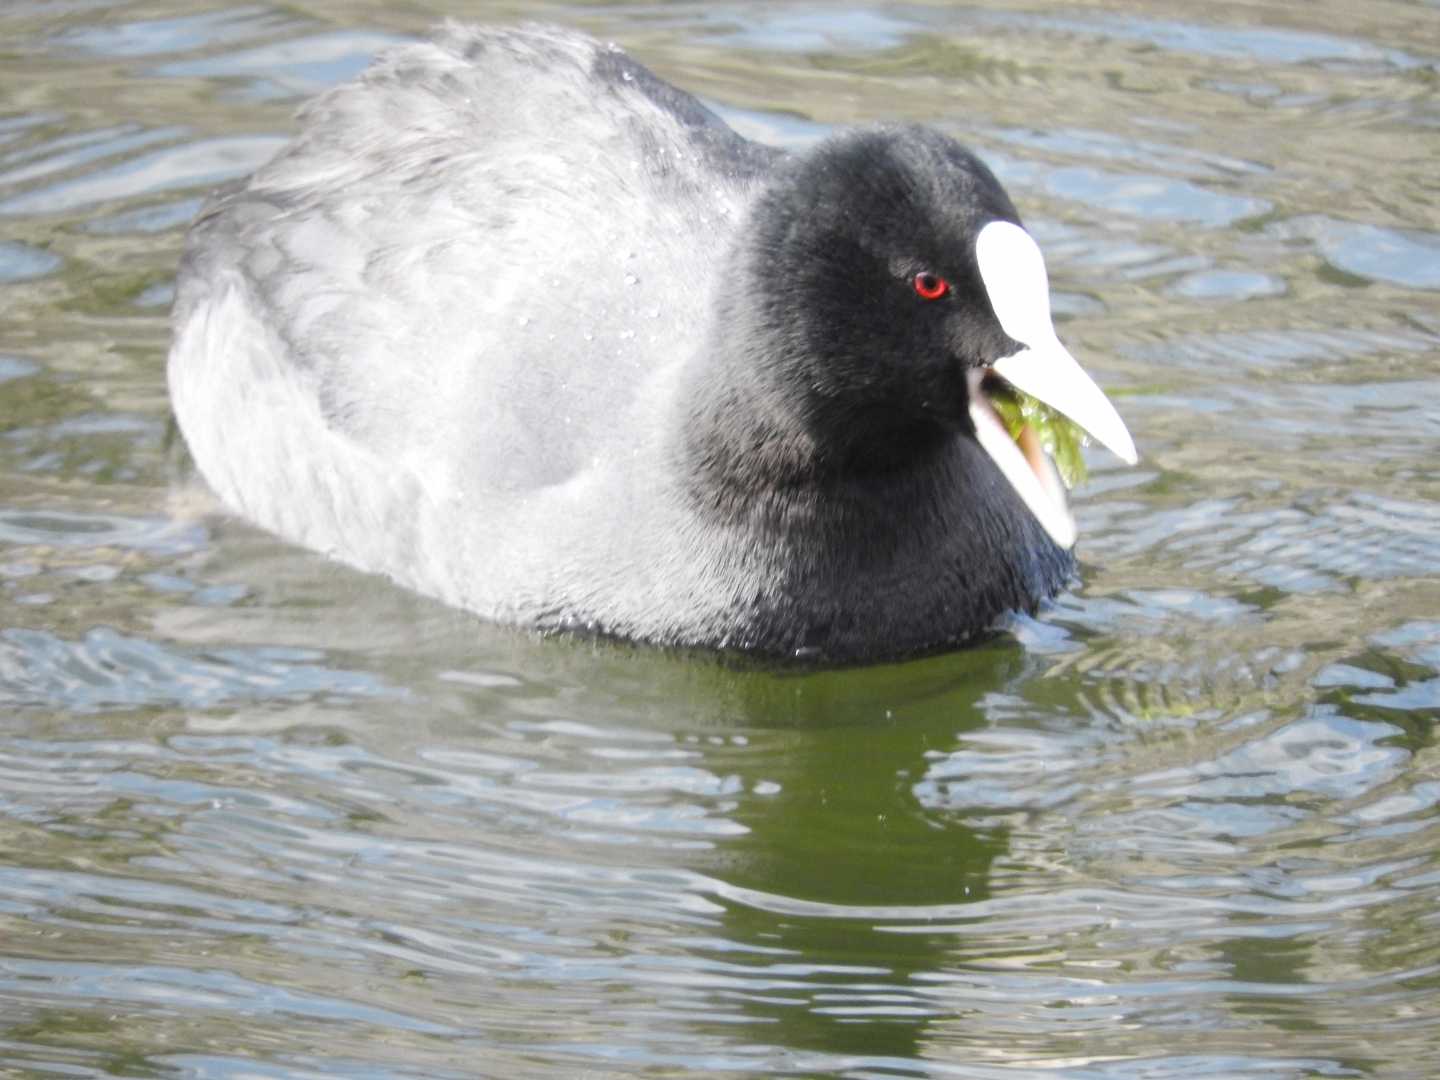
(521, 326)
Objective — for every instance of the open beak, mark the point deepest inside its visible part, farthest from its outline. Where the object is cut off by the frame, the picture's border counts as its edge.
(1013, 271)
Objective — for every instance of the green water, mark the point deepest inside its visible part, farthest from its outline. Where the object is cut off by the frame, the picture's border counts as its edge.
(261, 816)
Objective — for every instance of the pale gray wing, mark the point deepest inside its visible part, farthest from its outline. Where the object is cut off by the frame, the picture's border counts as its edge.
(473, 255)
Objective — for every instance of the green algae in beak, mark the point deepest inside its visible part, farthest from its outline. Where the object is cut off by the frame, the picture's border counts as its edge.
(1059, 436)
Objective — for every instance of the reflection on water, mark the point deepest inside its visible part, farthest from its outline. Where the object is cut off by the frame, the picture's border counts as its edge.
(263, 816)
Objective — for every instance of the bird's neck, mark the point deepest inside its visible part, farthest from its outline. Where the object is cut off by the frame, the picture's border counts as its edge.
(745, 455)
(755, 426)
(878, 542)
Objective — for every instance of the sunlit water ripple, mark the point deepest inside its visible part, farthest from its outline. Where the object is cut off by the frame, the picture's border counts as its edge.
(264, 817)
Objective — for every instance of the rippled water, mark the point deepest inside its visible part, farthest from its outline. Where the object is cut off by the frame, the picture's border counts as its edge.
(261, 816)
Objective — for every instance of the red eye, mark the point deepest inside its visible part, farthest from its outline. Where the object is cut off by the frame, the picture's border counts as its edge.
(930, 286)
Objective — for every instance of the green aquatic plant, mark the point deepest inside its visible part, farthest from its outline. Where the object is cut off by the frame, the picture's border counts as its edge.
(1059, 436)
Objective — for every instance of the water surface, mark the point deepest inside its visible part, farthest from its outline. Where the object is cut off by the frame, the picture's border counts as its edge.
(262, 816)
